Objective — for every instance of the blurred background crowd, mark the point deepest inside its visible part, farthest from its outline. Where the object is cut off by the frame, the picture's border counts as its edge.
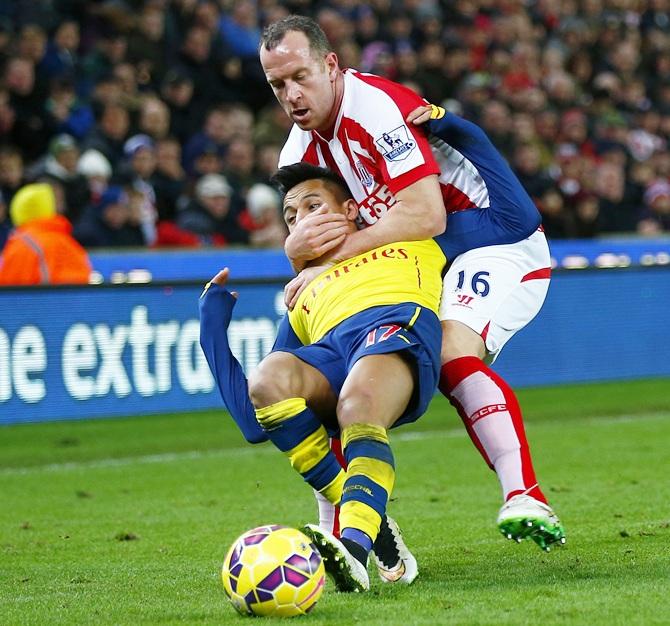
(152, 122)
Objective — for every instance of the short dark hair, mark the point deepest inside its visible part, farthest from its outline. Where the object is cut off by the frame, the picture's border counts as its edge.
(274, 33)
(289, 176)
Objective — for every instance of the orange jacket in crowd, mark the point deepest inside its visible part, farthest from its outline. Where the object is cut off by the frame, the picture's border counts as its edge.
(41, 251)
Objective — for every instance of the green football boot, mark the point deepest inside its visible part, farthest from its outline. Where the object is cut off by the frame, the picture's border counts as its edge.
(524, 517)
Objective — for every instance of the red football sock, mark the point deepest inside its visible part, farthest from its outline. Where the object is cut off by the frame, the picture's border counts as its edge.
(492, 416)
(336, 447)
(329, 515)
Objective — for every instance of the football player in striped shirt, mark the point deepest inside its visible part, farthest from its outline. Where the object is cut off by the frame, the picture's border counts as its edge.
(405, 183)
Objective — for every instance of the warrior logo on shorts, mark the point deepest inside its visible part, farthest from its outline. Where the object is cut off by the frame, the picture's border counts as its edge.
(396, 145)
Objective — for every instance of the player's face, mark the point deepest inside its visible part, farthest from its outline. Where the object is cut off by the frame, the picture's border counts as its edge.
(303, 84)
(310, 196)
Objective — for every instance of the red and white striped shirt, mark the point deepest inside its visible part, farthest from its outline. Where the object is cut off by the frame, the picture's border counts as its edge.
(378, 153)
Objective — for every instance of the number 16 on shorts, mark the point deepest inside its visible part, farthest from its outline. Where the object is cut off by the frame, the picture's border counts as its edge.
(478, 283)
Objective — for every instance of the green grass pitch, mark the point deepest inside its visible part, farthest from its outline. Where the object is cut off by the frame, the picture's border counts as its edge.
(127, 521)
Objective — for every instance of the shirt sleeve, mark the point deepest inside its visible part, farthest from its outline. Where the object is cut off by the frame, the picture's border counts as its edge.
(401, 151)
(508, 197)
(511, 215)
(216, 308)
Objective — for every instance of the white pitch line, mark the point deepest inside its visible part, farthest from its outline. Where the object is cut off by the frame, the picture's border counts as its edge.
(170, 457)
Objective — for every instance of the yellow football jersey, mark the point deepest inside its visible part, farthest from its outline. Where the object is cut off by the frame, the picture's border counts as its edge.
(407, 271)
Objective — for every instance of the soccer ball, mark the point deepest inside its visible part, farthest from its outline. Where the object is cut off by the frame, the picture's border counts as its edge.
(273, 571)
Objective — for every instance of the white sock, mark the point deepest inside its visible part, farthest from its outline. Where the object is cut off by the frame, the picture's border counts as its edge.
(326, 512)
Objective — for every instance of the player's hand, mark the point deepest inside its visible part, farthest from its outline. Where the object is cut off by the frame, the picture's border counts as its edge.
(294, 288)
(315, 235)
(423, 114)
(216, 306)
(221, 279)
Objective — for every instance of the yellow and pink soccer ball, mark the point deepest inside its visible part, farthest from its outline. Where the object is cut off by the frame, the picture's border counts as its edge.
(273, 571)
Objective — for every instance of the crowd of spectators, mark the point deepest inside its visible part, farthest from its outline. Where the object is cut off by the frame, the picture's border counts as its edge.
(152, 121)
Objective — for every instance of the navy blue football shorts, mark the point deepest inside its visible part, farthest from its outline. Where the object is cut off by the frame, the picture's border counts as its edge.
(407, 328)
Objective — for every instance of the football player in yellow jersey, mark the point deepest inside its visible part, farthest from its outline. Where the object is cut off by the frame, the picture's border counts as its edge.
(363, 349)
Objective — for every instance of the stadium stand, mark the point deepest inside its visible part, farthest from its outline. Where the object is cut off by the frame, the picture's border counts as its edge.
(576, 95)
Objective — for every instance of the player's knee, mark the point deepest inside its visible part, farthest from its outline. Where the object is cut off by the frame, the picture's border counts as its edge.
(275, 379)
(356, 406)
(458, 340)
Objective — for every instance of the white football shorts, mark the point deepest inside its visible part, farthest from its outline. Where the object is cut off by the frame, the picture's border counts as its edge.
(497, 290)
